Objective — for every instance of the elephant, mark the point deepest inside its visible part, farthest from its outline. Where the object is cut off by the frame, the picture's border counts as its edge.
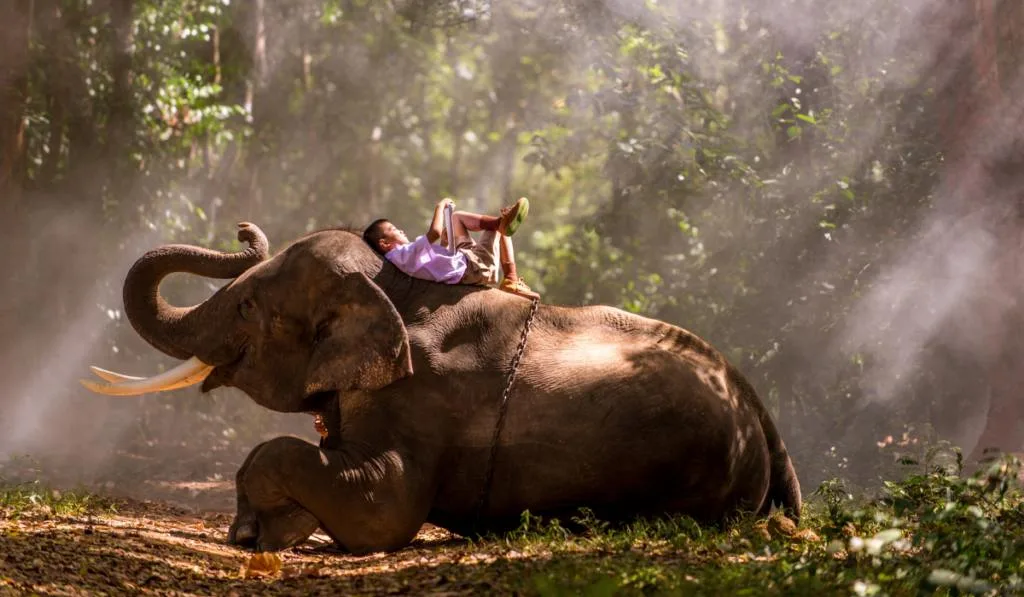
(625, 415)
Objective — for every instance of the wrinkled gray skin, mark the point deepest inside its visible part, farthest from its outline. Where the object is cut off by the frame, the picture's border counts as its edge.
(626, 415)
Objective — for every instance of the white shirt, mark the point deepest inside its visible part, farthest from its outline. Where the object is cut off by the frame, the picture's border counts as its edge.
(421, 259)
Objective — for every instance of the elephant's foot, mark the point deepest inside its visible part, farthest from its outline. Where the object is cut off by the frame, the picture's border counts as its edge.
(274, 530)
(244, 531)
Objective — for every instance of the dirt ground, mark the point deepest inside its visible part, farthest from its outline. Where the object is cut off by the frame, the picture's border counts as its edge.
(164, 533)
(153, 548)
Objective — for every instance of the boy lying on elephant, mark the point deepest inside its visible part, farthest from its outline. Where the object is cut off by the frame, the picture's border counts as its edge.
(472, 262)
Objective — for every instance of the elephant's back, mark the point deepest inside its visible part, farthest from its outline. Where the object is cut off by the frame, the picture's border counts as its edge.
(580, 352)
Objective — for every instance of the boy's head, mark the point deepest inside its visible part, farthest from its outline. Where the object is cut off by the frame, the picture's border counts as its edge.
(383, 236)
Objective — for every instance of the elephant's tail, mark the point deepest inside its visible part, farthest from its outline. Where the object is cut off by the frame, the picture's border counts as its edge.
(783, 485)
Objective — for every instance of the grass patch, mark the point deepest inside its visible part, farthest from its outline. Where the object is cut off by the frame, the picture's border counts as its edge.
(934, 533)
(35, 500)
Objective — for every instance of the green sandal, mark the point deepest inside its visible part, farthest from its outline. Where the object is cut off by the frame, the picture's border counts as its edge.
(511, 219)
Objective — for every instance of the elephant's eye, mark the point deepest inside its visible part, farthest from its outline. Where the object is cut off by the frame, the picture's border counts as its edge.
(246, 309)
(322, 329)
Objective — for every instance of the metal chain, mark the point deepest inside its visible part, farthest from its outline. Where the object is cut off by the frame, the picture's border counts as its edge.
(503, 409)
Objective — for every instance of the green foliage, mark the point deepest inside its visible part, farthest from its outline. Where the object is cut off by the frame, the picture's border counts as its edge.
(933, 533)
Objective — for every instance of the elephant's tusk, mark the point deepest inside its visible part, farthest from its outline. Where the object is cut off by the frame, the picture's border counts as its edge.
(119, 388)
(186, 374)
(113, 377)
(117, 378)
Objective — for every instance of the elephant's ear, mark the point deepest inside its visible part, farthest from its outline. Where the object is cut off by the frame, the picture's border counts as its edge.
(370, 346)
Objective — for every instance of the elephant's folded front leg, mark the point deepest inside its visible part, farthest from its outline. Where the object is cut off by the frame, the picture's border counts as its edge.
(274, 521)
(288, 487)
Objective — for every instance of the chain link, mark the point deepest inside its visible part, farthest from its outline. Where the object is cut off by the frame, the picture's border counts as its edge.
(503, 409)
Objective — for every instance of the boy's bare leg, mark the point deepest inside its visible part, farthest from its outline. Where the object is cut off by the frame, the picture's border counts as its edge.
(507, 256)
(465, 222)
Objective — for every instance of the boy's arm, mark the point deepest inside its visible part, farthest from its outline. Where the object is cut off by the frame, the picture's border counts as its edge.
(437, 223)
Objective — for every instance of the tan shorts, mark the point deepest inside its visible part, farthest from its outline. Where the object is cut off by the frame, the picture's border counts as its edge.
(481, 263)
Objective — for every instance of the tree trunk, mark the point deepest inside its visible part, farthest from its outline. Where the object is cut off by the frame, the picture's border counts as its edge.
(14, 63)
(1003, 425)
(257, 104)
(232, 59)
(82, 138)
(119, 141)
(978, 111)
(53, 35)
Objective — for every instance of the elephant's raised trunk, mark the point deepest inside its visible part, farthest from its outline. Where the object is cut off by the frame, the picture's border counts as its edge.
(176, 330)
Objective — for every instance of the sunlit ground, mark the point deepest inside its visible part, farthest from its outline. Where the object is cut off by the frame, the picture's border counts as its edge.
(932, 533)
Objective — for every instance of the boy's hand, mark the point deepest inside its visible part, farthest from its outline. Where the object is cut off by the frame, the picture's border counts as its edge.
(319, 425)
(437, 222)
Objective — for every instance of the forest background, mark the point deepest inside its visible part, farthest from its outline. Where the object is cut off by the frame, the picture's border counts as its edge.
(827, 191)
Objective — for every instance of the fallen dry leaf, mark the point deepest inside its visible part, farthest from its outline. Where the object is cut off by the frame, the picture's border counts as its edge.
(262, 564)
(806, 536)
(780, 525)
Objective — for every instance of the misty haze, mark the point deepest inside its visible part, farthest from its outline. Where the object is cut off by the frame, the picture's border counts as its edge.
(829, 193)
